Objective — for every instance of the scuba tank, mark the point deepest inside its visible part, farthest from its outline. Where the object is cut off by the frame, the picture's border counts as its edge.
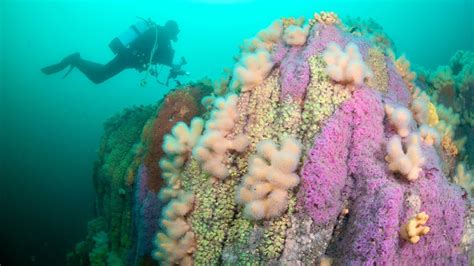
(123, 41)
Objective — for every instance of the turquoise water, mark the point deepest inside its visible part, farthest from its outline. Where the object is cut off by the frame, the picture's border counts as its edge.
(51, 127)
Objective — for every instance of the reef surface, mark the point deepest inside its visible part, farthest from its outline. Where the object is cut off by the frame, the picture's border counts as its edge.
(321, 147)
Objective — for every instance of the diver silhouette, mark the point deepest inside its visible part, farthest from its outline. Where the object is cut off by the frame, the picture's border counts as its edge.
(144, 44)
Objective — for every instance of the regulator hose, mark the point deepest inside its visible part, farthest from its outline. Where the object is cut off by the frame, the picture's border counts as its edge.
(143, 82)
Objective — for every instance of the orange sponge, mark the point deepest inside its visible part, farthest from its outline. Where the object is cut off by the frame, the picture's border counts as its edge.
(415, 228)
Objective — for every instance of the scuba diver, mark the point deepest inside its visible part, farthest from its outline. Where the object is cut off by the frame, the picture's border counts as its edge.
(144, 45)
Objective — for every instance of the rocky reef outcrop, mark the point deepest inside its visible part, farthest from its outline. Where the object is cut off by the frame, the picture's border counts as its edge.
(321, 147)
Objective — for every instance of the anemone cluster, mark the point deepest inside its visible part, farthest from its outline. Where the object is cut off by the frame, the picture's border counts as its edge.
(321, 146)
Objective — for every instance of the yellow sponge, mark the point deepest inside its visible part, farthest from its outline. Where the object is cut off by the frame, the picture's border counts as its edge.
(433, 118)
(415, 228)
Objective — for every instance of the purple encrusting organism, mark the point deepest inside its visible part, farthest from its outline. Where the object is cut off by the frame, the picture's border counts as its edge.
(363, 45)
(325, 172)
(349, 155)
(279, 52)
(294, 74)
(372, 232)
(319, 38)
(367, 149)
(146, 214)
(397, 91)
(375, 200)
(446, 205)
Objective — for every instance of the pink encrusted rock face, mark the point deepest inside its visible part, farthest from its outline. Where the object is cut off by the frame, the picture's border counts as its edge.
(371, 236)
(363, 45)
(325, 172)
(320, 37)
(293, 62)
(398, 92)
(345, 146)
(346, 167)
(447, 206)
(294, 75)
(279, 52)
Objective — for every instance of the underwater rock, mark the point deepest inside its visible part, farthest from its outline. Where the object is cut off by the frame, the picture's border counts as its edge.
(127, 177)
(337, 194)
(180, 105)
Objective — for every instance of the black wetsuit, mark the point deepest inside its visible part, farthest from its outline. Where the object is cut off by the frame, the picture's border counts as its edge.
(137, 56)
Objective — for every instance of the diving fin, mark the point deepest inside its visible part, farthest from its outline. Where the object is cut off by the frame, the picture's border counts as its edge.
(71, 67)
(67, 61)
(54, 68)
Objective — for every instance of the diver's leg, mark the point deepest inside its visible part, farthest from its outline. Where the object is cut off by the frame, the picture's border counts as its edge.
(68, 60)
(99, 73)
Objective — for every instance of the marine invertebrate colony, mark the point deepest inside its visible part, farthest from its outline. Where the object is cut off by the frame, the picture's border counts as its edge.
(414, 229)
(295, 35)
(128, 209)
(312, 152)
(213, 145)
(401, 118)
(347, 66)
(408, 164)
(271, 174)
(177, 242)
(177, 147)
(252, 69)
